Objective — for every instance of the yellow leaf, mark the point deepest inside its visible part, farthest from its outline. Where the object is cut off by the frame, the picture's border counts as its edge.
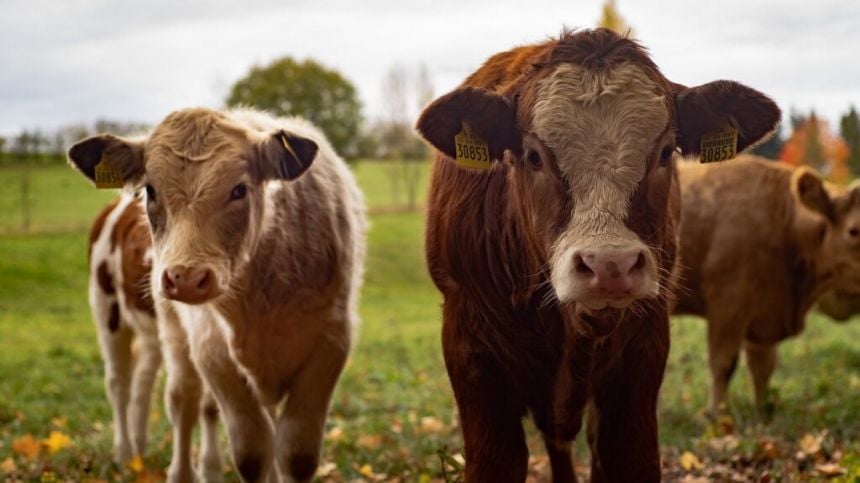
(689, 461)
(430, 424)
(57, 441)
(369, 441)
(135, 464)
(8, 466)
(367, 471)
(811, 444)
(27, 446)
(334, 434)
(59, 422)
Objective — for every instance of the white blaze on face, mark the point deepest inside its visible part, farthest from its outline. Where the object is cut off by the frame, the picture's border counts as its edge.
(601, 126)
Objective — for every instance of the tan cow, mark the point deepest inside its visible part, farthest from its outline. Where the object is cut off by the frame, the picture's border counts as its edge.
(753, 263)
(258, 230)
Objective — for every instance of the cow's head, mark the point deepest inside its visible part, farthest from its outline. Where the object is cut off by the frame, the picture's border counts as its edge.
(205, 176)
(833, 238)
(590, 129)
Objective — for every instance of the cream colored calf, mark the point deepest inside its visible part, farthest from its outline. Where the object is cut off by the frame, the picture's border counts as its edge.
(258, 231)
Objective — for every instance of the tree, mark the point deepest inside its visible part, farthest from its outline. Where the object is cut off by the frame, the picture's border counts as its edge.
(813, 144)
(772, 147)
(612, 20)
(849, 128)
(287, 87)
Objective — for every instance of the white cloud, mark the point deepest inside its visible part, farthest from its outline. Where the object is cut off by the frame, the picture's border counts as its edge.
(77, 60)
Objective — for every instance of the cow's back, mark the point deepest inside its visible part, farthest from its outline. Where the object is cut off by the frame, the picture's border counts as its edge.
(740, 250)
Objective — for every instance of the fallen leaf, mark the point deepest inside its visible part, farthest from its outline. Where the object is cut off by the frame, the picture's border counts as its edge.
(57, 441)
(724, 443)
(430, 424)
(59, 422)
(326, 469)
(149, 476)
(811, 444)
(135, 464)
(334, 434)
(689, 461)
(830, 469)
(366, 470)
(8, 466)
(27, 446)
(369, 441)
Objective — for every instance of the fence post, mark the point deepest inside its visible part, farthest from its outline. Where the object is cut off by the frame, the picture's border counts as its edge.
(25, 197)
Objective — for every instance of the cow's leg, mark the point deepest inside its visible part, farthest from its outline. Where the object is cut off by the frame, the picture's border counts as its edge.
(249, 426)
(210, 469)
(490, 415)
(725, 337)
(560, 461)
(145, 371)
(116, 349)
(761, 360)
(623, 423)
(301, 423)
(182, 395)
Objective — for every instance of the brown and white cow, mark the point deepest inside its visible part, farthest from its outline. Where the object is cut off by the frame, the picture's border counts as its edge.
(258, 245)
(554, 263)
(120, 253)
(755, 262)
(120, 258)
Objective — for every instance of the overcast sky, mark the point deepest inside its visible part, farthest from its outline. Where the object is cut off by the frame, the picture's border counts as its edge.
(65, 61)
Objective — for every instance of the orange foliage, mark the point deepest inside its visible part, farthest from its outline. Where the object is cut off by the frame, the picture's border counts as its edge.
(832, 150)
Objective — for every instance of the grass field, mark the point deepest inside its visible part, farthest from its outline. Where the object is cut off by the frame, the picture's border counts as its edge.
(393, 415)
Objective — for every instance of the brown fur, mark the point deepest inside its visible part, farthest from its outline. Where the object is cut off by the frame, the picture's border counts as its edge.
(510, 348)
(753, 264)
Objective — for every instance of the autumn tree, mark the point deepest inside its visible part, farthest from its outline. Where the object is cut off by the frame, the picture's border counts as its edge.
(612, 20)
(287, 87)
(849, 128)
(813, 144)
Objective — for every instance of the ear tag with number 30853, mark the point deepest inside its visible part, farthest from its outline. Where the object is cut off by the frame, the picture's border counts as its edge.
(107, 176)
(472, 152)
(719, 146)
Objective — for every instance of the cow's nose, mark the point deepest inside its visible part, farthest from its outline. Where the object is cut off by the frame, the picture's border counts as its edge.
(188, 284)
(612, 272)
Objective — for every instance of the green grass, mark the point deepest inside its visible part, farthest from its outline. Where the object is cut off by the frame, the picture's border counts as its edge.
(393, 410)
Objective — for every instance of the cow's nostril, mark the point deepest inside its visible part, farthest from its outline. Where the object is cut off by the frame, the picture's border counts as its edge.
(640, 263)
(581, 267)
(204, 282)
(167, 281)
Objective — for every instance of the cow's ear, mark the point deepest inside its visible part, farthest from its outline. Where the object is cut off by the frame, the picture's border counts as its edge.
(106, 158)
(719, 105)
(286, 155)
(488, 116)
(809, 189)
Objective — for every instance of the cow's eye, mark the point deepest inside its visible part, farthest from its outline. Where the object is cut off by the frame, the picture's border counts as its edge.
(239, 192)
(666, 155)
(150, 193)
(534, 160)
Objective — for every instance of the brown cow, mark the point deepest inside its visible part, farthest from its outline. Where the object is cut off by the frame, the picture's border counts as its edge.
(755, 262)
(839, 305)
(258, 247)
(554, 263)
(120, 297)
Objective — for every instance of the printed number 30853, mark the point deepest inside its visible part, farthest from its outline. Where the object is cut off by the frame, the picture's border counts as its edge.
(475, 153)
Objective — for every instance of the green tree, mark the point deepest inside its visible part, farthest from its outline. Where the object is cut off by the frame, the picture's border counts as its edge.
(772, 147)
(849, 128)
(323, 96)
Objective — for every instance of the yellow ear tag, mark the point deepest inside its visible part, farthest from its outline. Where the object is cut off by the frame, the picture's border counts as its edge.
(472, 152)
(719, 146)
(107, 176)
